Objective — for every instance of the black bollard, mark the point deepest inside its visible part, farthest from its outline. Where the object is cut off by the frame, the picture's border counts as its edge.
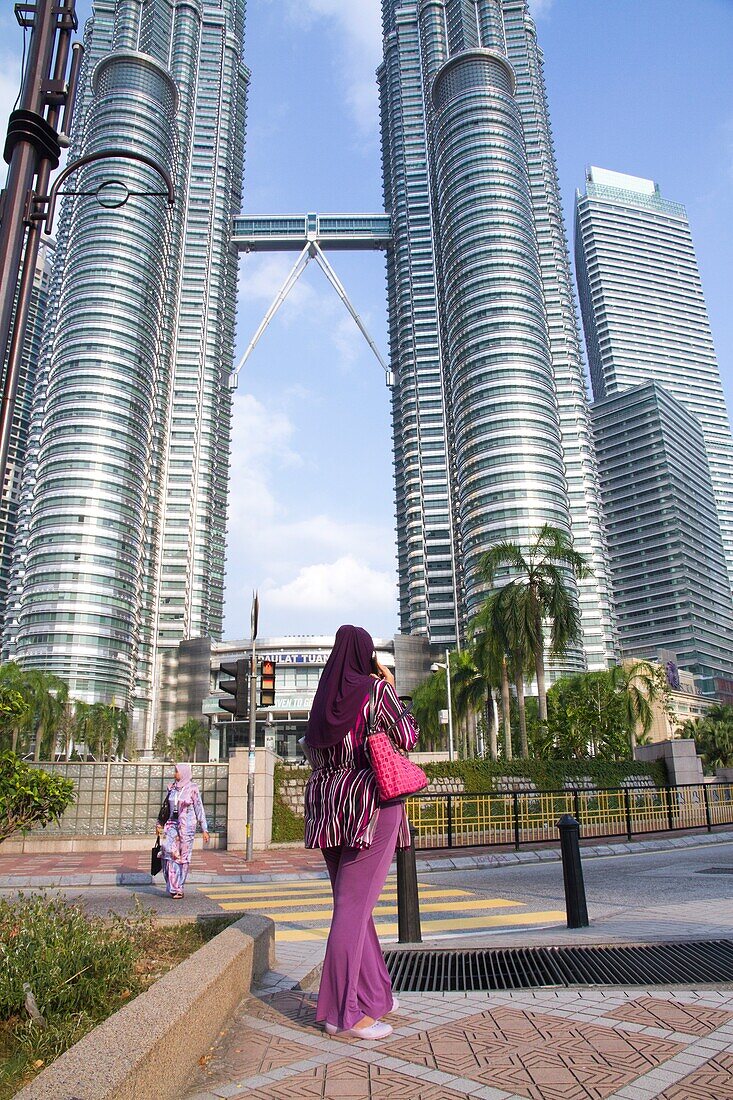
(572, 872)
(408, 903)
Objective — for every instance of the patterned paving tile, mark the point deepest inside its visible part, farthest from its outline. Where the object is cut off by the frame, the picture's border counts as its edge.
(295, 1007)
(286, 1007)
(250, 1053)
(348, 1079)
(713, 1080)
(536, 1055)
(684, 1018)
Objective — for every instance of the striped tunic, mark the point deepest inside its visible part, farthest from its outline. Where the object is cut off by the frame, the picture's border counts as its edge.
(341, 798)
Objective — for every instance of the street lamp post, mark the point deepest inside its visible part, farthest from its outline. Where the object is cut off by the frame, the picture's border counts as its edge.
(446, 666)
(251, 755)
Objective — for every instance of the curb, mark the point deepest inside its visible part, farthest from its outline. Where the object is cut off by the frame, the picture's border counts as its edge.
(150, 1049)
(424, 864)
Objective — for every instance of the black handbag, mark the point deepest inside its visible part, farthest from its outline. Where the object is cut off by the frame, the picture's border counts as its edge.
(156, 860)
(164, 812)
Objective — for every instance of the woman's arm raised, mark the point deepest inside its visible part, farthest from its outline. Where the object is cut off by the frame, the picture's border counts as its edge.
(405, 730)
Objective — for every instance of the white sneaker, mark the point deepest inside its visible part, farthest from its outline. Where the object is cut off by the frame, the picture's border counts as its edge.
(377, 1030)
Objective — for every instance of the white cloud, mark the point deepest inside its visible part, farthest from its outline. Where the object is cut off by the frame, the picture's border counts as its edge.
(261, 277)
(342, 590)
(358, 25)
(313, 570)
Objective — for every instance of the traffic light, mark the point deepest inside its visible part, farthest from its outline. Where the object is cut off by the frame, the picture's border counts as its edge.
(267, 683)
(236, 687)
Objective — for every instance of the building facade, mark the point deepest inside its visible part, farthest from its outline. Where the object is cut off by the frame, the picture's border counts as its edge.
(644, 312)
(667, 559)
(18, 445)
(491, 426)
(121, 548)
(191, 675)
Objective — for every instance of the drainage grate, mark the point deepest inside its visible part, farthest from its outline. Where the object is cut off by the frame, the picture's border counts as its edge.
(701, 963)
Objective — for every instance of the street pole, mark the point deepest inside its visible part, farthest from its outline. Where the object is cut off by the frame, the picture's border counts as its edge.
(251, 757)
(450, 708)
(32, 151)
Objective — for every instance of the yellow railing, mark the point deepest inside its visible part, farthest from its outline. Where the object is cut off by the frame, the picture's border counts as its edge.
(530, 817)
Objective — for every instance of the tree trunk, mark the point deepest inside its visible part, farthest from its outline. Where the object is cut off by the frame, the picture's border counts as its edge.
(506, 711)
(519, 686)
(539, 664)
(37, 744)
(493, 724)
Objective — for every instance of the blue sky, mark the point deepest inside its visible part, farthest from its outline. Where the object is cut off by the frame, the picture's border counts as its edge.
(639, 86)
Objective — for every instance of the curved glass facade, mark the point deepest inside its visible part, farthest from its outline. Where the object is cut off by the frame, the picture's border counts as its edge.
(489, 400)
(122, 549)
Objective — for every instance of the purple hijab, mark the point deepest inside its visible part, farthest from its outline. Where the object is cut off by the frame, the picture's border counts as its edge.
(345, 682)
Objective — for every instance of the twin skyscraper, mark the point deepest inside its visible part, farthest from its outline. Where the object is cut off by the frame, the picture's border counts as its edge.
(121, 530)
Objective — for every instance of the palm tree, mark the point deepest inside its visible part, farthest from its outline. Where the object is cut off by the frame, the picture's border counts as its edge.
(543, 575)
(469, 695)
(46, 696)
(428, 699)
(713, 735)
(641, 684)
(491, 645)
(184, 740)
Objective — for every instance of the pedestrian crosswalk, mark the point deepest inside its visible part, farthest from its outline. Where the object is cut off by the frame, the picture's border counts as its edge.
(302, 910)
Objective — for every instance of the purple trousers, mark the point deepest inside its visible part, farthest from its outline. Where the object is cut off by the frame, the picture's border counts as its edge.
(355, 982)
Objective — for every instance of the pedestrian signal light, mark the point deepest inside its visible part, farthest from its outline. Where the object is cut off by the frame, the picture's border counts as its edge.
(236, 688)
(267, 684)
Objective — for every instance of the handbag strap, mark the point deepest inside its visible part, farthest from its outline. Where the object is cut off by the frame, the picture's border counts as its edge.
(372, 714)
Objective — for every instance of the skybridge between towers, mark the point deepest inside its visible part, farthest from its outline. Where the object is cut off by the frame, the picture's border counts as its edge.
(310, 235)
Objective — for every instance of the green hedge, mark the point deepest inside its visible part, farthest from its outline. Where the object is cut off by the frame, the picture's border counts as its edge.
(286, 825)
(481, 775)
(547, 775)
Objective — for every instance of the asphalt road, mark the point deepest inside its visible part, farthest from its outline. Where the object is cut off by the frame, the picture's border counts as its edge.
(642, 880)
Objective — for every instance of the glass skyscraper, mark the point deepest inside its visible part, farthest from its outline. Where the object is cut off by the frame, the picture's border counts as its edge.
(668, 565)
(644, 312)
(18, 448)
(122, 538)
(491, 424)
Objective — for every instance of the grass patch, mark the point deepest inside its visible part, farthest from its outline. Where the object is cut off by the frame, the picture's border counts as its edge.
(80, 970)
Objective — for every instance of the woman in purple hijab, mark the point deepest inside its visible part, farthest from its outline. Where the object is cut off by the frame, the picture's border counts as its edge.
(356, 833)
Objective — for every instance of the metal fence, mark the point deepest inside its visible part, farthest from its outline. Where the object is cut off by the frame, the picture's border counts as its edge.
(529, 817)
(113, 799)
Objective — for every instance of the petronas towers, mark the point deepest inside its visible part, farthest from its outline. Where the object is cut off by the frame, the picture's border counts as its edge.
(491, 422)
(121, 532)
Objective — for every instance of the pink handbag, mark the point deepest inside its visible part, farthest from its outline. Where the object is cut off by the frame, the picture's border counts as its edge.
(396, 775)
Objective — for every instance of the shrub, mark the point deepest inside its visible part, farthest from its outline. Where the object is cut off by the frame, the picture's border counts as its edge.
(29, 796)
(286, 825)
(74, 964)
(547, 775)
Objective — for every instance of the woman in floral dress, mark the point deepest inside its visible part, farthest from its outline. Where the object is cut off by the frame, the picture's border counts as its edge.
(185, 811)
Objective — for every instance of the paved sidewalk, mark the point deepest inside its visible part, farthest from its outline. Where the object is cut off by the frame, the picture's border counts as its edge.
(580, 1044)
(31, 871)
(589, 1045)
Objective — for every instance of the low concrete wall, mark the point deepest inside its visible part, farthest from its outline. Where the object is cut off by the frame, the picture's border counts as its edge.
(150, 1049)
(52, 844)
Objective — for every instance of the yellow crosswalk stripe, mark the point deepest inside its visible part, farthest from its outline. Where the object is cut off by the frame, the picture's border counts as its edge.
(298, 917)
(390, 928)
(280, 898)
(266, 889)
(449, 901)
